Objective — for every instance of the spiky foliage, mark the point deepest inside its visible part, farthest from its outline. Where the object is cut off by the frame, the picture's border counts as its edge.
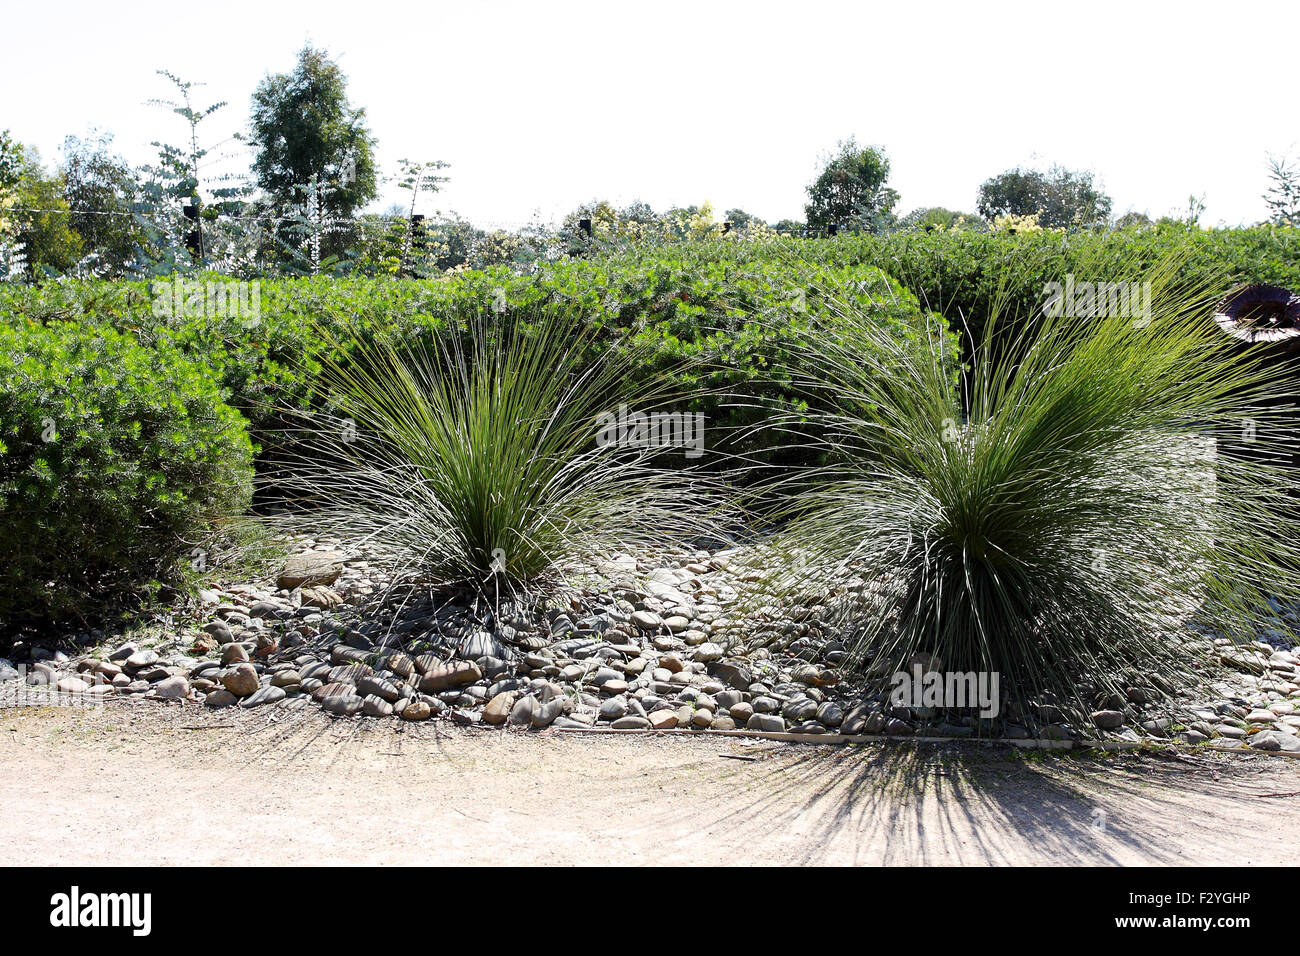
(472, 458)
(1062, 521)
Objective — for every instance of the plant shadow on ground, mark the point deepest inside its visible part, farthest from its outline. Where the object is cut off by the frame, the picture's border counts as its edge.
(888, 802)
(916, 803)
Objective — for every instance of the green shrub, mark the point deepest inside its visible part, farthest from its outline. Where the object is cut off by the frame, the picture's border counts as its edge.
(969, 277)
(112, 459)
(710, 315)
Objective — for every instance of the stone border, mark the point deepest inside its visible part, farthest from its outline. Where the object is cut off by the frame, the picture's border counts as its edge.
(1033, 743)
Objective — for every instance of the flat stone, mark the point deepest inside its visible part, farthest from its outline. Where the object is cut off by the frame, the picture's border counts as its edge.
(141, 659)
(708, 653)
(373, 705)
(417, 710)
(370, 685)
(342, 705)
(799, 709)
(172, 688)
(663, 719)
(544, 714)
(309, 568)
(268, 610)
(481, 644)
(220, 698)
(631, 722)
(613, 708)
(262, 696)
(1108, 719)
(766, 723)
(732, 673)
(450, 674)
(647, 620)
(334, 689)
(218, 630)
(318, 670)
(498, 709)
(322, 597)
(1272, 740)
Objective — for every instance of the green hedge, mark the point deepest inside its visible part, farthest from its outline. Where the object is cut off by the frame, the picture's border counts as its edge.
(721, 310)
(113, 457)
(963, 275)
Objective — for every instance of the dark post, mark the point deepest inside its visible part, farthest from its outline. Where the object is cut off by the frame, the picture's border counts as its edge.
(585, 226)
(194, 238)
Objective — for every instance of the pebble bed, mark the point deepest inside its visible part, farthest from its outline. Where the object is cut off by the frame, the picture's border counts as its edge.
(653, 649)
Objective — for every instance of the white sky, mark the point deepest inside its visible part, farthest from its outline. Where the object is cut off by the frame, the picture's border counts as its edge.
(540, 106)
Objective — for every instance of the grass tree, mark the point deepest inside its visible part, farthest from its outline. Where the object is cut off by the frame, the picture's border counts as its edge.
(1062, 516)
(473, 457)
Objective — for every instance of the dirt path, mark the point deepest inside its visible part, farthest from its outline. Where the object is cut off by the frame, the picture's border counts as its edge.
(131, 786)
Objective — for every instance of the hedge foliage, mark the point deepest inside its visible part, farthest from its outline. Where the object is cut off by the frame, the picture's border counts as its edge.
(113, 457)
(716, 317)
(966, 275)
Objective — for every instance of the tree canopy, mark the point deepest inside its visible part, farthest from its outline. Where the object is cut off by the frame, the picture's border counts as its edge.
(1059, 198)
(303, 129)
(851, 191)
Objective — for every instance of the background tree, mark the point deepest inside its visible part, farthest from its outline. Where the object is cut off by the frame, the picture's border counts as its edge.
(690, 223)
(603, 215)
(182, 178)
(101, 190)
(1189, 216)
(304, 130)
(33, 212)
(936, 217)
(417, 178)
(851, 191)
(634, 222)
(1283, 196)
(1060, 198)
(739, 219)
(11, 154)
(1133, 220)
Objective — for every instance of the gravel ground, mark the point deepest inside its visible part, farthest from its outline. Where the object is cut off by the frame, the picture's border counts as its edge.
(171, 783)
